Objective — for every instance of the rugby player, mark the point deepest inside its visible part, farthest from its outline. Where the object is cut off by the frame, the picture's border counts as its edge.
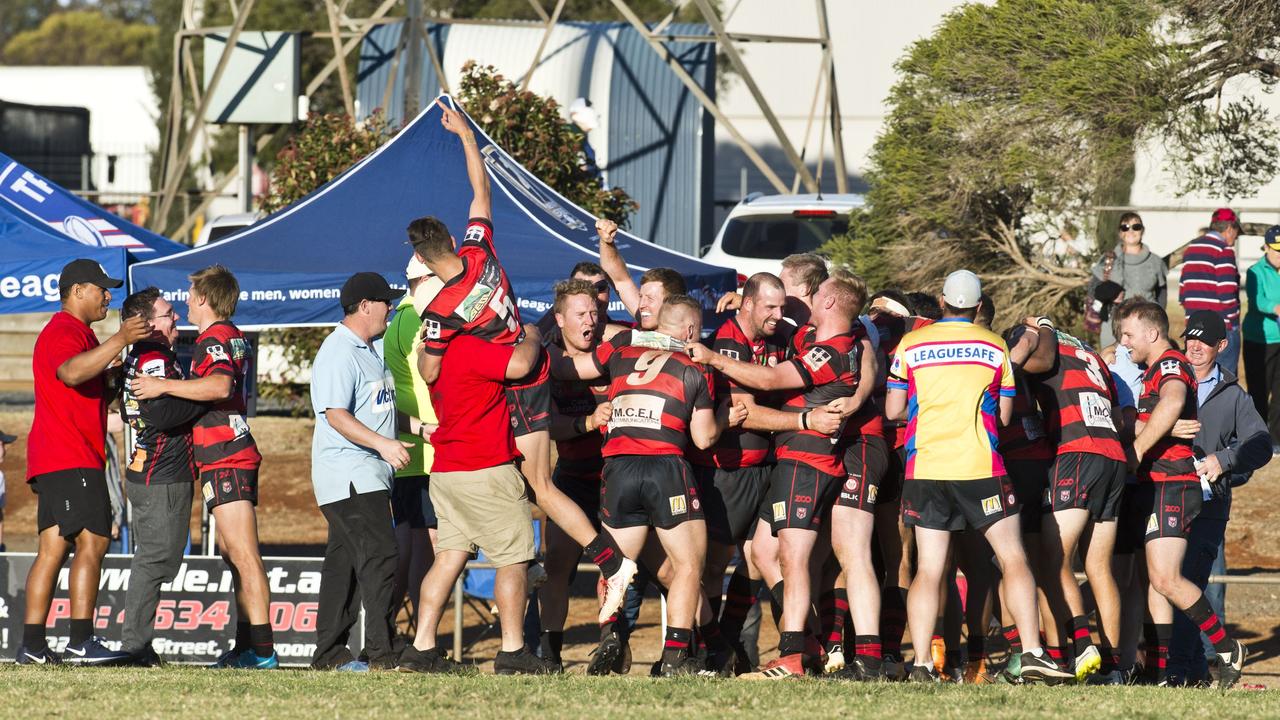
(477, 299)
(643, 302)
(1169, 485)
(226, 454)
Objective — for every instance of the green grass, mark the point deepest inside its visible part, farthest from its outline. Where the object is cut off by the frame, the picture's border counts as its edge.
(101, 693)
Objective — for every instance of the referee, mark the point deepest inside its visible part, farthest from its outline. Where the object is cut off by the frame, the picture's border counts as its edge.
(66, 457)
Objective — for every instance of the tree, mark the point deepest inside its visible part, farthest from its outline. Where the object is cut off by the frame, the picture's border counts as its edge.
(81, 37)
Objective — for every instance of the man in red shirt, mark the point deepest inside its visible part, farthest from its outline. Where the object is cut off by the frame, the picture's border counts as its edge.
(66, 459)
(480, 499)
(226, 455)
(476, 299)
(1169, 484)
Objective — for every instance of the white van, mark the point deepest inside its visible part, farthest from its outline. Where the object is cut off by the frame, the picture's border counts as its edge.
(225, 225)
(763, 229)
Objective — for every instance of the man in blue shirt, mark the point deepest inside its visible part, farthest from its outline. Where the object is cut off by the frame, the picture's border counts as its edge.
(354, 454)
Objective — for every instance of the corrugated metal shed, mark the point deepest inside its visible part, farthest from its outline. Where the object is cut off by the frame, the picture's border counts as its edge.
(654, 140)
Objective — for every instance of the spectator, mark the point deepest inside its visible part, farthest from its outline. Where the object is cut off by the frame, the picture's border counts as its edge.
(354, 454)
(481, 498)
(1211, 281)
(411, 508)
(66, 460)
(160, 473)
(1262, 334)
(1235, 442)
(5, 440)
(1139, 272)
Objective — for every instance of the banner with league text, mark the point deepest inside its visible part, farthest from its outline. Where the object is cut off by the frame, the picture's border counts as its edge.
(195, 620)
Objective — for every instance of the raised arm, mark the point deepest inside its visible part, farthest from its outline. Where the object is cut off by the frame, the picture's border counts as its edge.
(454, 122)
(615, 267)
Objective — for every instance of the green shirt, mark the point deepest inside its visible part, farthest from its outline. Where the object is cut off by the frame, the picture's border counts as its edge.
(400, 351)
(1262, 287)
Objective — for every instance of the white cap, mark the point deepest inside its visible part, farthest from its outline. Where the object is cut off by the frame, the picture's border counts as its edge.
(962, 290)
(416, 268)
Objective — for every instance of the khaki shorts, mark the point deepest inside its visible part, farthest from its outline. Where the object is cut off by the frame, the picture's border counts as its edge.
(484, 509)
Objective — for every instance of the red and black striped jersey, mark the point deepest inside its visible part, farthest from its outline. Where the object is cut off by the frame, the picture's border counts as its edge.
(654, 393)
(161, 426)
(1077, 397)
(1170, 459)
(1024, 438)
(477, 301)
(221, 436)
(829, 369)
(892, 329)
(738, 448)
(579, 456)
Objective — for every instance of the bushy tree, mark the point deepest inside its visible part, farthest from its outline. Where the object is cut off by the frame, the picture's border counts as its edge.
(82, 37)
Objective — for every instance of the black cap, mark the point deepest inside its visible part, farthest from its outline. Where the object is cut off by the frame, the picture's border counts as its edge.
(87, 271)
(1107, 291)
(1206, 326)
(367, 286)
(7, 438)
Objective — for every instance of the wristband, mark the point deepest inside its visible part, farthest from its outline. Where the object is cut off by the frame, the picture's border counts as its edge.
(1044, 322)
(580, 425)
(804, 420)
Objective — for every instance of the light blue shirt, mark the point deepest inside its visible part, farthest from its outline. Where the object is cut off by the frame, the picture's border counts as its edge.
(1206, 386)
(1129, 374)
(350, 374)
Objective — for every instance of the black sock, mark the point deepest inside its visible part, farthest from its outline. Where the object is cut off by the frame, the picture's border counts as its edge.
(1150, 653)
(81, 631)
(893, 619)
(1164, 631)
(33, 637)
(1110, 658)
(790, 643)
(1080, 639)
(1012, 637)
(868, 648)
(1207, 620)
(261, 640)
(242, 634)
(552, 644)
(604, 552)
(710, 634)
(977, 647)
(676, 647)
(739, 596)
(776, 593)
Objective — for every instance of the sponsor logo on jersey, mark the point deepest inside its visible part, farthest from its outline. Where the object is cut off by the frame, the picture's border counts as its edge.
(382, 396)
(637, 411)
(475, 301)
(431, 329)
(954, 352)
(733, 354)
(154, 368)
(872, 491)
(991, 505)
(1153, 525)
(1173, 521)
(474, 234)
(216, 353)
(1170, 367)
(779, 511)
(677, 505)
(816, 358)
(239, 348)
(1095, 410)
(801, 512)
(851, 484)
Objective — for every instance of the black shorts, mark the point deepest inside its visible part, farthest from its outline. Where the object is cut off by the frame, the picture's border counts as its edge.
(411, 502)
(731, 500)
(1135, 508)
(1171, 507)
(220, 486)
(1088, 481)
(957, 504)
(585, 492)
(530, 405)
(866, 462)
(73, 500)
(799, 496)
(890, 490)
(1030, 481)
(657, 490)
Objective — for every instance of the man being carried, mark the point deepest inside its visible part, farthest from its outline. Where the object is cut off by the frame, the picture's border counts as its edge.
(226, 455)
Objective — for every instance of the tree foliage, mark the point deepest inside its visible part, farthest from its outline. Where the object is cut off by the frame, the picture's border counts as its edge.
(531, 128)
(81, 37)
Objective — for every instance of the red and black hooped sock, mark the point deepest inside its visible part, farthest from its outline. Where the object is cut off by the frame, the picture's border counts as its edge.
(1011, 636)
(605, 553)
(1164, 631)
(1080, 638)
(868, 648)
(1203, 615)
(834, 608)
(893, 619)
(676, 647)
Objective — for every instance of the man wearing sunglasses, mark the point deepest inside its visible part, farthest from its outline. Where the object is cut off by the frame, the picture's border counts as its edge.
(1211, 281)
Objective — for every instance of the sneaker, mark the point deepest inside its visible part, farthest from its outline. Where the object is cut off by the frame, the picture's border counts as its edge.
(895, 668)
(924, 674)
(433, 661)
(616, 589)
(251, 660)
(1087, 663)
(227, 659)
(622, 665)
(786, 667)
(523, 662)
(835, 659)
(722, 663)
(606, 655)
(1042, 669)
(358, 666)
(535, 576)
(145, 657)
(1111, 677)
(938, 653)
(1232, 665)
(975, 673)
(93, 652)
(860, 669)
(685, 667)
(44, 656)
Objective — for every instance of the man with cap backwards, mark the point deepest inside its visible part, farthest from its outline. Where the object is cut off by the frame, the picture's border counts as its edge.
(354, 454)
(1211, 281)
(952, 382)
(1262, 334)
(66, 456)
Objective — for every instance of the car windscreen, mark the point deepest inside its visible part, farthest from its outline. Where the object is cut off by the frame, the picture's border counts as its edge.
(773, 237)
(223, 231)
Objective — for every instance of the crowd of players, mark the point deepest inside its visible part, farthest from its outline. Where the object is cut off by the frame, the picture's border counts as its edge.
(850, 451)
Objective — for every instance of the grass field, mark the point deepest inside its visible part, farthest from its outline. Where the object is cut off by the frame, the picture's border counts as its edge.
(102, 693)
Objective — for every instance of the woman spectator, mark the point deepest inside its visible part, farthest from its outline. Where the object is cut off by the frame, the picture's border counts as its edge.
(1141, 273)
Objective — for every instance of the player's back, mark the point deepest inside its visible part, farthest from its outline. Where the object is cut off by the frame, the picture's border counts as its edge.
(478, 301)
(653, 393)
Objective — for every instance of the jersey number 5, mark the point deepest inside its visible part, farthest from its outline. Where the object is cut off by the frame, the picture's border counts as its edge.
(502, 306)
(648, 365)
